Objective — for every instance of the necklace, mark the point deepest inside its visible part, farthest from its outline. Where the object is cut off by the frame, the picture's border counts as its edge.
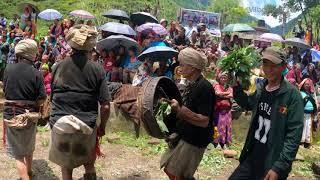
(270, 89)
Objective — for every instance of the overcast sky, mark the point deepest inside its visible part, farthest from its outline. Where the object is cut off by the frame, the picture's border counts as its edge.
(255, 7)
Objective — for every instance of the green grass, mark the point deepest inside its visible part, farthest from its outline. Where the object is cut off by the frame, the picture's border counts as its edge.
(141, 143)
(213, 159)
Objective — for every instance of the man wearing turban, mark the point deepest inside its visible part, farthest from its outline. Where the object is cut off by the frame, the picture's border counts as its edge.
(78, 87)
(24, 92)
(195, 119)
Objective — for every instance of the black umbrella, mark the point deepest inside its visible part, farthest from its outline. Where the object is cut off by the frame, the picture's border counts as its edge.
(158, 53)
(118, 28)
(116, 14)
(34, 8)
(117, 40)
(140, 18)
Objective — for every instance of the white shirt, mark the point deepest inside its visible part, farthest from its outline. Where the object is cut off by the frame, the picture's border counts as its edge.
(189, 31)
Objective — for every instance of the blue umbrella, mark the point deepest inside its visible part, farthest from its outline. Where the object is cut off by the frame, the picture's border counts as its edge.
(50, 14)
(315, 55)
(118, 28)
(158, 53)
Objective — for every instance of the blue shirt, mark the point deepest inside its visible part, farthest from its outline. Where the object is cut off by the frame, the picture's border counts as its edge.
(308, 106)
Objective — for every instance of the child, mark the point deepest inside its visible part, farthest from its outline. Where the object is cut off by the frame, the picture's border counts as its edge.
(132, 67)
(310, 109)
(108, 63)
(47, 78)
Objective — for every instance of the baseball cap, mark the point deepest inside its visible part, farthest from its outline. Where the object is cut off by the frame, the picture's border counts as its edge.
(274, 55)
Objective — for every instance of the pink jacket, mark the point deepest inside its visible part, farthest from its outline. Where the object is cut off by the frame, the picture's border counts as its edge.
(47, 83)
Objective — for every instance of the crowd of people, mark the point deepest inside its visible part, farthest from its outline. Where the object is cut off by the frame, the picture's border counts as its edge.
(206, 108)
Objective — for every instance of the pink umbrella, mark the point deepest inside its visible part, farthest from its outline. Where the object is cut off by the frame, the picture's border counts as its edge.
(156, 28)
(82, 14)
(271, 37)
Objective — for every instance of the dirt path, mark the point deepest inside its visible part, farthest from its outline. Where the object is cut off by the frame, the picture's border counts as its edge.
(120, 162)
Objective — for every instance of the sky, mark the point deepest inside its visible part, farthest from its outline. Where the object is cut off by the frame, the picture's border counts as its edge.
(255, 8)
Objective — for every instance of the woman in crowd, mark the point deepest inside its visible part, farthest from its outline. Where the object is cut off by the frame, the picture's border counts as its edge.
(173, 31)
(310, 72)
(310, 109)
(55, 31)
(294, 75)
(163, 69)
(223, 104)
(132, 66)
(307, 59)
(108, 63)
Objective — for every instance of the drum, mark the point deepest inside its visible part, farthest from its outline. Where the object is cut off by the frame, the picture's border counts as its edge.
(153, 90)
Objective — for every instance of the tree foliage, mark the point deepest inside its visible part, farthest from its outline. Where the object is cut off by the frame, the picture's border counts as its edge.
(230, 10)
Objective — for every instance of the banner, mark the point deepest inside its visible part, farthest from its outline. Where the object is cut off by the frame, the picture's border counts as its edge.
(212, 20)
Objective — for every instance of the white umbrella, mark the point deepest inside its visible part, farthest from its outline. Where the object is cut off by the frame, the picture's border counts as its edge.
(271, 37)
(300, 43)
(118, 28)
(50, 14)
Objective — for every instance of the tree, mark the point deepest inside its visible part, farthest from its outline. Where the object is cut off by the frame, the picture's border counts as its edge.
(314, 15)
(230, 11)
(277, 11)
(304, 6)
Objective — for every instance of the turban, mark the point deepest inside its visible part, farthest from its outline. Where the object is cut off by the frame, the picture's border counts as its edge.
(27, 49)
(82, 37)
(193, 58)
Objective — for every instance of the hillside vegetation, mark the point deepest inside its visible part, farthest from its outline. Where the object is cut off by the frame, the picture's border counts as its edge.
(168, 8)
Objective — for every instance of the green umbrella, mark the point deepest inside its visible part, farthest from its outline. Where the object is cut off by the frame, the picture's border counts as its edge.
(237, 28)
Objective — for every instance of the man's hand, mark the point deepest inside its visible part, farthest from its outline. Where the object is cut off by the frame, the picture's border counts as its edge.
(235, 81)
(175, 105)
(272, 175)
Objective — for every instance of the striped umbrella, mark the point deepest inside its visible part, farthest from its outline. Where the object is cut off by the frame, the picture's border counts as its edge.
(82, 14)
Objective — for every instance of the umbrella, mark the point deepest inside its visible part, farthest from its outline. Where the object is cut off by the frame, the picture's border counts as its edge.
(156, 28)
(300, 43)
(116, 14)
(158, 52)
(82, 14)
(140, 18)
(271, 37)
(237, 28)
(50, 14)
(33, 7)
(315, 55)
(117, 40)
(118, 28)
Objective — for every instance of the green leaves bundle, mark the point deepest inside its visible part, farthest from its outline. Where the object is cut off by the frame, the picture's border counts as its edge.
(240, 63)
(163, 110)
